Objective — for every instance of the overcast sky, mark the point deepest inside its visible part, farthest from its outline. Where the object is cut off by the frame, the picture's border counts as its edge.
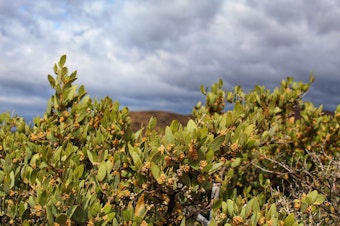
(155, 54)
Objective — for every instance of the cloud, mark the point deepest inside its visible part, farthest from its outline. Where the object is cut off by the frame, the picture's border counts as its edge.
(156, 54)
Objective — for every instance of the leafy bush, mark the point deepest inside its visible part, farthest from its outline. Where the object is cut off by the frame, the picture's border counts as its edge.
(260, 163)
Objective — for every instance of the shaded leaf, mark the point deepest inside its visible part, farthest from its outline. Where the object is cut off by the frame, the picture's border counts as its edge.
(290, 220)
(79, 215)
(61, 219)
(217, 142)
(155, 170)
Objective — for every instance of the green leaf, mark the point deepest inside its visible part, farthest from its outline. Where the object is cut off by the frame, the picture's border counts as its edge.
(203, 90)
(135, 157)
(107, 208)
(311, 197)
(92, 157)
(49, 106)
(49, 214)
(217, 204)
(62, 61)
(69, 82)
(229, 119)
(78, 172)
(277, 110)
(185, 179)
(61, 219)
(217, 142)
(290, 220)
(236, 162)
(272, 130)
(249, 208)
(209, 155)
(230, 207)
(81, 91)
(319, 199)
(152, 122)
(63, 71)
(255, 217)
(109, 218)
(215, 167)
(12, 177)
(101, 171)
(256, 205)
(43, 198)
(191, 126)
(155, 170)
(55, 69)
(183, 222)
(311, 78)
(249, 129)
(128, 213)
(169, 137)
(272, 213)
(71, 93)
(304, 206)
(78, 215)
(238, 108)
(243, 138)
(51, 80)
(230, 173)
(224, 206)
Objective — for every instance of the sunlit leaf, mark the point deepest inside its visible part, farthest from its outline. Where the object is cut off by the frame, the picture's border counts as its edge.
(62, 61)
(101, 171)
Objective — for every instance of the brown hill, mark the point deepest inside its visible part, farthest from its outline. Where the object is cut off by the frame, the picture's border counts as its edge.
(141, 118)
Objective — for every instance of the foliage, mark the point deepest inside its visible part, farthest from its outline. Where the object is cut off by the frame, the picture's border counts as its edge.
(260, 163)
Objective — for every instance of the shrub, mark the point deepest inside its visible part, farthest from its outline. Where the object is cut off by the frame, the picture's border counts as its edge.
(257, 164)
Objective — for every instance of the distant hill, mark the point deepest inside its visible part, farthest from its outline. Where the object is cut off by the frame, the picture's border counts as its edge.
(141, 118)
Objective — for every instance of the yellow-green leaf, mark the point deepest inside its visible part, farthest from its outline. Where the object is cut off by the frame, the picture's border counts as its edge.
(290, 219)
(62, 60)
(236, 162)
(135, 157)
(155, 170)
(101, 171)
(217, 142)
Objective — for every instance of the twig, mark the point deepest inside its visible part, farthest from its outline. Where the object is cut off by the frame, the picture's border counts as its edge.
(265, 170)
(202, 220)
(215, 191)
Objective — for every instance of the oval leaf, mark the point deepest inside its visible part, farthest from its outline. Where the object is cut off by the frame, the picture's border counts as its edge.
(101, 171)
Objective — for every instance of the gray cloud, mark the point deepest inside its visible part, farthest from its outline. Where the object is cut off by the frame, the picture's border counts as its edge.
(156, 54)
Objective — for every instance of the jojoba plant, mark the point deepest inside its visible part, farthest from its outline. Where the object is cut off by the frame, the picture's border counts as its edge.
(272, 159)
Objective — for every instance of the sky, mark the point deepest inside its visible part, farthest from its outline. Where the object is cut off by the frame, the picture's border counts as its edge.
(155, 54)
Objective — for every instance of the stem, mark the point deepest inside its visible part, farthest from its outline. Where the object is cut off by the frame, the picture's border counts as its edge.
(215, 191)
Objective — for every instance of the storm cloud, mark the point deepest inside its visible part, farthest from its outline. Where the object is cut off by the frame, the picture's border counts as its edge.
(154, 55)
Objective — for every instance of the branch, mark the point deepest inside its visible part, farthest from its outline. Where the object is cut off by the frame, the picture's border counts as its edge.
(202, 220)
(215, 191)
